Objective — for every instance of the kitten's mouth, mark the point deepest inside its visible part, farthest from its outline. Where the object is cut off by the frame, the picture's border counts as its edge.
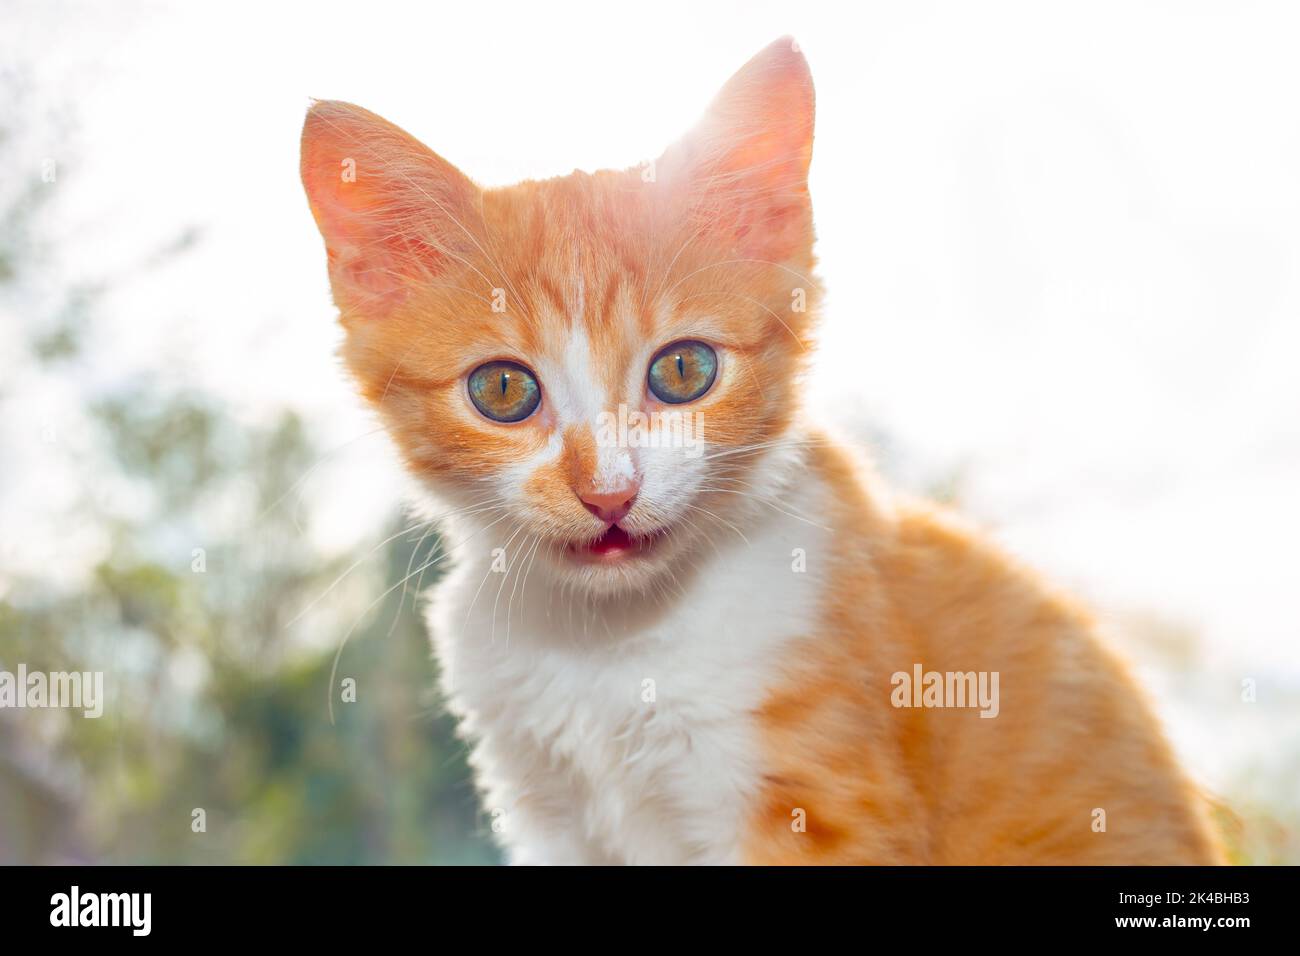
(615, 544)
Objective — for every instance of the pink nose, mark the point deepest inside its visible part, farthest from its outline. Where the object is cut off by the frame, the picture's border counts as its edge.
(610, 506)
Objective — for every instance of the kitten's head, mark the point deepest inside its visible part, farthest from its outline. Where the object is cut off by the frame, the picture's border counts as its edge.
(604, 363)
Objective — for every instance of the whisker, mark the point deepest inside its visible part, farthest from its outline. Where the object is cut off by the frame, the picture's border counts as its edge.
(766, 501)
(365, 557)
(811, 283)
(667, 273)
(352, 567)
(754, 301)
(338, 654)
(722, 520)
(308, 473)
(537, 540)
(759, 446)
(486, 574)
(419, 583)
(409, 562)
(511, 562)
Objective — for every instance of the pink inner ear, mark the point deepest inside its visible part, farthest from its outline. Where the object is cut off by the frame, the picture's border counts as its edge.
(776, 232)
(744, 168)
(387, 207)
(372, 276)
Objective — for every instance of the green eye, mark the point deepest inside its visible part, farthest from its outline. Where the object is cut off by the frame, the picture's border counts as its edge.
(504, 391)
(683, 372)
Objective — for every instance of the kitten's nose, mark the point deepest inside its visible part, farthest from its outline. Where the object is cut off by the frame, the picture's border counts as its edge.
(611, 506)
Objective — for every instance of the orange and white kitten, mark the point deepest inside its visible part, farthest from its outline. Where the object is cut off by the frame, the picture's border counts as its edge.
(685, 625)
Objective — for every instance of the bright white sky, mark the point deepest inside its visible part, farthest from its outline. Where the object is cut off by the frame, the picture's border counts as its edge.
(1061, 241)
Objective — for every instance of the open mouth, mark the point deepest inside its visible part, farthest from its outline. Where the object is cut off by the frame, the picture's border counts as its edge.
(614, 545)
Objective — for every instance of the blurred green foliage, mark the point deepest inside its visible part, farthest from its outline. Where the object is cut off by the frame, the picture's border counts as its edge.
(216, 697)
(207, 708)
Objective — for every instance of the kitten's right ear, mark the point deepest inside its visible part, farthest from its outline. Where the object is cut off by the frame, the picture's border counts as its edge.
(742, 172)
(392, 212)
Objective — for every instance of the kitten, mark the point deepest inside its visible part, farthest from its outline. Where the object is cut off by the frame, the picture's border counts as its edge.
(686, 625)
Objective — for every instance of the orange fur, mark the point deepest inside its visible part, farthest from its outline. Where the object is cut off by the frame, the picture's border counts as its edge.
(879, 784)
(712, 247)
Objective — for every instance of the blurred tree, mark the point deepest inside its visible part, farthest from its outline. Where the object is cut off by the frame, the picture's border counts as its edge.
(216, 696)
(208, 708)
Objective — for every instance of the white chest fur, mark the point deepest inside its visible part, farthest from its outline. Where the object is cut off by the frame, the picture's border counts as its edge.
(626, 736)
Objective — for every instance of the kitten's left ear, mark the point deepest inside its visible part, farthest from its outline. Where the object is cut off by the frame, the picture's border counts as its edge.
(743, 170)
